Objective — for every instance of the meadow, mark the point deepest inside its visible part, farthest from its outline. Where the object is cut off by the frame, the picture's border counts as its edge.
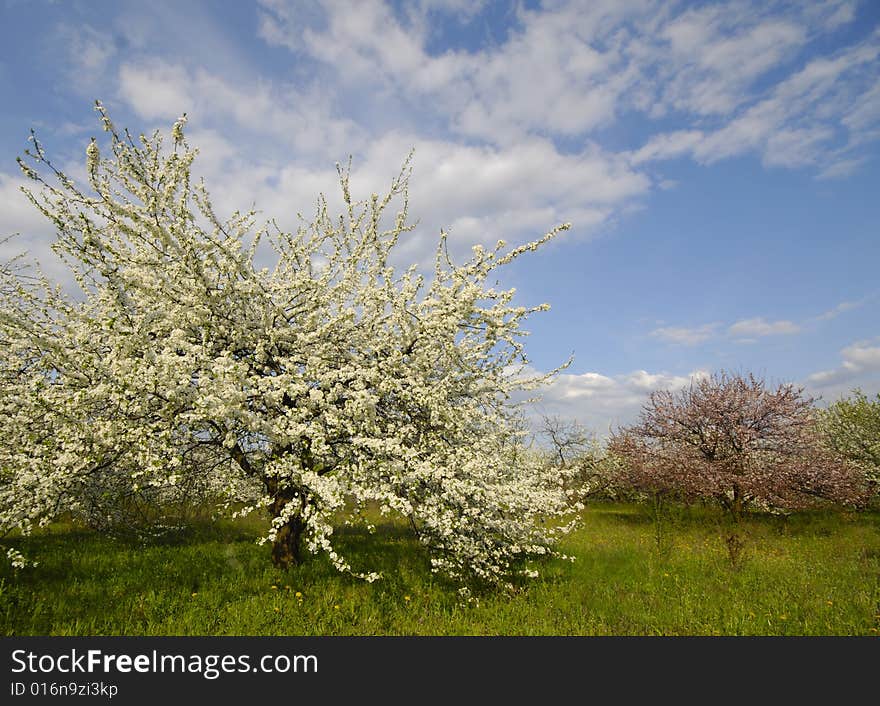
(804, 574)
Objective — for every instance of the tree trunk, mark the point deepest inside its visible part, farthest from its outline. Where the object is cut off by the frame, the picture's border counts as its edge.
(286, 547)
(657, 508)
(736, 506)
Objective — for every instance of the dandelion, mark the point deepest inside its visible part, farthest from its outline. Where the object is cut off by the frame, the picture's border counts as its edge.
(406, 598)
(298, 594)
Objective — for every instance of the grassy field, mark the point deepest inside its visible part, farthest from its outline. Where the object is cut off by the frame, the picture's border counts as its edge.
(803, 575)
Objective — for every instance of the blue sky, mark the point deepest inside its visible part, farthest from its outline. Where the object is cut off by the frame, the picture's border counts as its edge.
(720, 162)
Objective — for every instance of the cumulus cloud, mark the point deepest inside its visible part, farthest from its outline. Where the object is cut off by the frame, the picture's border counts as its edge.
(545, 76)
(477, 192)
(568, 69)
(603, 402)
(273, 115)
(860, 367)
(156, 89)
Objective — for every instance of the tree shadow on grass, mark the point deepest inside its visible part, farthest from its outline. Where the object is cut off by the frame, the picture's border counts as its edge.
(635, 517)
(392, 550)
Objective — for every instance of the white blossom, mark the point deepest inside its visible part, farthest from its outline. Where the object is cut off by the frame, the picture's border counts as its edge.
(177, 129)
(93, 155)
(18, 560)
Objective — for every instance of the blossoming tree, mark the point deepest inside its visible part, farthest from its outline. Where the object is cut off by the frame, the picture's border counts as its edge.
(852, 429)
(732, 439)
(330, 382)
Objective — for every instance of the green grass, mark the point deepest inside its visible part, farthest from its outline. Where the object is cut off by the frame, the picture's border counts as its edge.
(807, 574)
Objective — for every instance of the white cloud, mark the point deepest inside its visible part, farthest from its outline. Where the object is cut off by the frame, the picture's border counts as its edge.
(743, 331)
(761, 327)
(816, 115)
(273, 114)
(668, 146)
(90, 49)
(477, 193)
(684, 335)
(89, 52)
(835, 15)
(750, 330)
(156, 90)
(796, 147)
(603, 402)
(565, 69)
(862, 356)
(865, 111)
(33, 232)
(802, 114)
(841, 169)
(545, 77)
(860, 367)
(841, 308)
(718, 51)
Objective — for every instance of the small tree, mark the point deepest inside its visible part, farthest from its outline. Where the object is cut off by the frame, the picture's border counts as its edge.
(327, 383)
(729, 438)
(851, 427)
(576, 454)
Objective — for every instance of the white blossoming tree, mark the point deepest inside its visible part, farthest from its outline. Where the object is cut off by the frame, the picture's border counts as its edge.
(850, 427)
(324, 385)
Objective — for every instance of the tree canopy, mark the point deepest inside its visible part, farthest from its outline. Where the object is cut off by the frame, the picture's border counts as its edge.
(731, 438)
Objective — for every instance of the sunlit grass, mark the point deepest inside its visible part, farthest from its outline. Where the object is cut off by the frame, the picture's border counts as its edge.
(808, 574)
